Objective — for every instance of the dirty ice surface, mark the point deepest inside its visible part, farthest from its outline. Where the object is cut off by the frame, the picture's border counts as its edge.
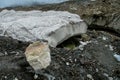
(53, 26)
(13, 3)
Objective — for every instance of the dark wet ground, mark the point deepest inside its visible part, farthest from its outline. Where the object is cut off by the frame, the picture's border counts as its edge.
(93, 61)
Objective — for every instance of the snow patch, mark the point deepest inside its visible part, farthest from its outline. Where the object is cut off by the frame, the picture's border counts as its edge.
(82, 44)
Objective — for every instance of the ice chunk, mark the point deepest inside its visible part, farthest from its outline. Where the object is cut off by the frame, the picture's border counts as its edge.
(117, 57)
(53, 26)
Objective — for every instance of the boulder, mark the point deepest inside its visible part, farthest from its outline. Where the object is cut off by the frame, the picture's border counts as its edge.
(52, 26)
(38, 55)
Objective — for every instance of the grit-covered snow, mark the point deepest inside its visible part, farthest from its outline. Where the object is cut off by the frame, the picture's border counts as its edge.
(53, 26)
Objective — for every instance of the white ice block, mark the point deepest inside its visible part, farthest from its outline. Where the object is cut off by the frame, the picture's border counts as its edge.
(53, 26)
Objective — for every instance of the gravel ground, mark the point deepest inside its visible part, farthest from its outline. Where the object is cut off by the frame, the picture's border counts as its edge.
(92, 59)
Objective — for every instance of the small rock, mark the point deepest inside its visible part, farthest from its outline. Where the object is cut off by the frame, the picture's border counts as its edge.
(6, 53)
(104, 38)
(93, 0)
(90, 76)
(106, 45)
(13, 52)
(105, 74)
(17, 53)
(35, 76)
(5, 77)
(97, 70)
(75, 60)
(16, 78)
(110, 78)
(67, 63)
